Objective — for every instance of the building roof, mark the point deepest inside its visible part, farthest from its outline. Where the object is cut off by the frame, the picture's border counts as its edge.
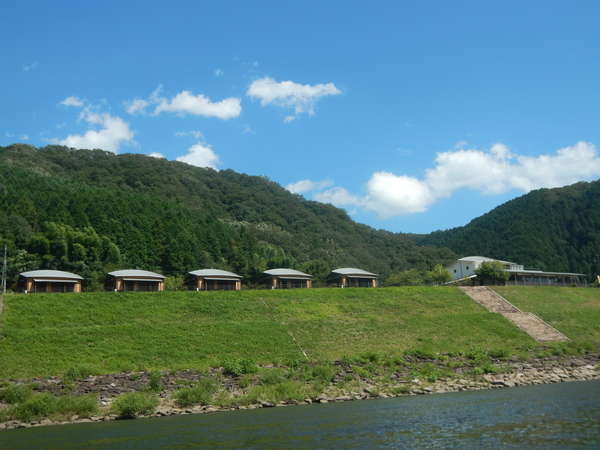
(287, 273)
(135, 273)
(353, 271)
(214, 273)
(542, 273)
(50, 274)
(483, 259)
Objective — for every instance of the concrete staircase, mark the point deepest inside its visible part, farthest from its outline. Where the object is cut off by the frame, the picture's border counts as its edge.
(531, 324)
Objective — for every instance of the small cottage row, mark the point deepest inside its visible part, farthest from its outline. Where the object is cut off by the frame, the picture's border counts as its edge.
(199, 280)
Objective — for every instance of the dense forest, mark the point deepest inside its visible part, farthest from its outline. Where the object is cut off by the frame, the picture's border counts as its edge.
(548, 229)
(92, 211)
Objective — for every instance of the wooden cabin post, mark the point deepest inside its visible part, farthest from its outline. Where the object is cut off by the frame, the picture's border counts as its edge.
(238, 285)
(273, 283)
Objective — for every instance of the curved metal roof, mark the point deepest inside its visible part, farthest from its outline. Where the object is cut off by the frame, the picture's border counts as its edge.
(135, 273)
(287, 272)
(50, 274)
(483, 259)
(353, 271)
(214, 273)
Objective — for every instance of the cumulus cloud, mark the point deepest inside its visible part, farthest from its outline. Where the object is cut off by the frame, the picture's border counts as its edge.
(219, 72)
(157, 155)
(201, 155)
(109, 134)
(495, 171)
(302, 98)
(186, 102)
(72, 101)
(302, 186)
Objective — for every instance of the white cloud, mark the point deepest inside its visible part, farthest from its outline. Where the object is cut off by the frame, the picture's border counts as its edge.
(201, 155)
(219, 72)
(186, 103)
(495, 171)
(157, 155)
(199, 105)
(194, 133)
(25, 137)
(136, 106)
(339, 196)
(302, 98)
(303, 186)
(113, 131)
(28, 67)
(72, 101)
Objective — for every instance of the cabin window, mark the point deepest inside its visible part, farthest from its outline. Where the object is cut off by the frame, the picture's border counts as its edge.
(454, 270)
(467, 267)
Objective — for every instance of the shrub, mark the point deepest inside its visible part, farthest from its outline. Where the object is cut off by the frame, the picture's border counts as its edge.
(78, 372)
(499, 353)
(155, 382)
(81, 405)
(15, 393)
(199, 394)
(36, 407)
(237, 367)
(133, 404)
(272, 376)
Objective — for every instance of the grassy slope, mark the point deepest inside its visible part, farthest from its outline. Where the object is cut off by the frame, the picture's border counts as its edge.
(48, 334)
(575, 312)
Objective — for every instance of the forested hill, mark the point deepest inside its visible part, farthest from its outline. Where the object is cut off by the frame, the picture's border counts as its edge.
(93, 211)
(550, 229)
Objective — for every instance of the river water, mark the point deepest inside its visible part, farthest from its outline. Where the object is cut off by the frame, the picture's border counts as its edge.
(563, 415)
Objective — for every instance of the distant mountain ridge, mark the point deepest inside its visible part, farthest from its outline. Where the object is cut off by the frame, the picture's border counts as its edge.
(89, 211)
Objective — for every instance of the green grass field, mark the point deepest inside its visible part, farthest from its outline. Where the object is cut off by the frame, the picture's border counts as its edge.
(43, 334)
(573, 311)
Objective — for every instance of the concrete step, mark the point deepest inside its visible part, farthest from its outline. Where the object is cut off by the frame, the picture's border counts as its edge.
(531, 324)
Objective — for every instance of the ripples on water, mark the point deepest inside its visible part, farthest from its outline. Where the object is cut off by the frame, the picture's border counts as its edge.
(563, 415)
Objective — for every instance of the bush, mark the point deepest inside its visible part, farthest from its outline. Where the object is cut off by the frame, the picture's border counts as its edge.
(78, 373)
(155, 382)
(237, 367)
(133, 404)
(199, 394)
(15, 393)
(36, 407)
(80, 405)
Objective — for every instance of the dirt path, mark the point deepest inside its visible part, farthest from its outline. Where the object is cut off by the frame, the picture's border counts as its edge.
(528, 322)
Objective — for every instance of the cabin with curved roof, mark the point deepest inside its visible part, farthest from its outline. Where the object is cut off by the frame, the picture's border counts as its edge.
(288, 279)
(213, 280)
(134, 280)
(351, 277)
(37, 281)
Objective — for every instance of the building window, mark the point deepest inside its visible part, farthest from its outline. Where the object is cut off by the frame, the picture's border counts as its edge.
(454, 270)
(467, 267)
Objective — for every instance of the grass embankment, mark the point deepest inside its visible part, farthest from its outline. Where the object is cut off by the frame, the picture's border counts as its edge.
(45, 335)
(573, 311)
(248, 348)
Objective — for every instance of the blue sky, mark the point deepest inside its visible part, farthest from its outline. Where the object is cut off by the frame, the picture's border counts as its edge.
(413, 116)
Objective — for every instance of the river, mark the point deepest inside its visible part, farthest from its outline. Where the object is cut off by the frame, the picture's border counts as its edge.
(565, 415)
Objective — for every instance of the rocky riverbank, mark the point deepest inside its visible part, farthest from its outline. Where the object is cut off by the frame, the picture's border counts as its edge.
(348, 382)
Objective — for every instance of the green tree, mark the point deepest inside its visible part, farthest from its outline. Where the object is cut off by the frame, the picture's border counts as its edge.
(491, 272)
(439, 274)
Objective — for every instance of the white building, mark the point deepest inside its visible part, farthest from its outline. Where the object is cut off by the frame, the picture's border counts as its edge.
(466, 267)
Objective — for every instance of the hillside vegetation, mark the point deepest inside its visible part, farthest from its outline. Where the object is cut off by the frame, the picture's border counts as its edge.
(549, 229)
(93, 211)
(46, 335)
